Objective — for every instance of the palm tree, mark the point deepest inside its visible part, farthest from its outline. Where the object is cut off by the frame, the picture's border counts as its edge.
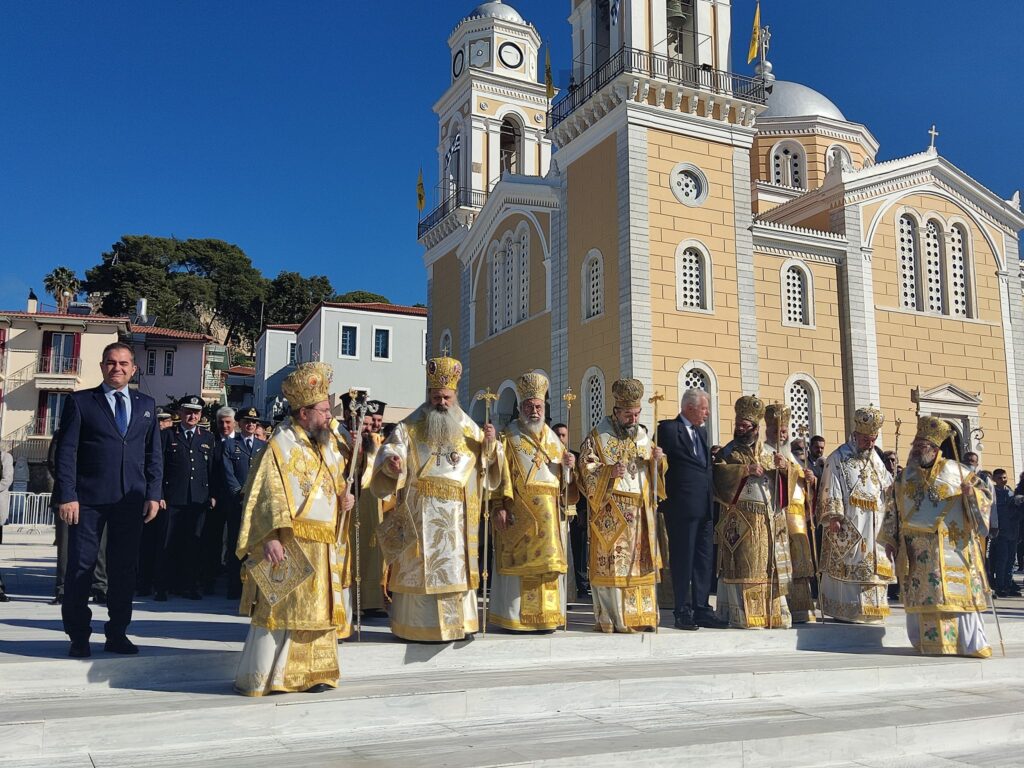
(63, 285)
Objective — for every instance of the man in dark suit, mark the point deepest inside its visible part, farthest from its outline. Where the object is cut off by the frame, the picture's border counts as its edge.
(188, 467)
(109, 470)
(688, 510)
(238, 454)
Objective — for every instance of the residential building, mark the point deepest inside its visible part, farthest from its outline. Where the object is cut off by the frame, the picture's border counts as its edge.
(44, 356)
(171, 363)
(275, 359)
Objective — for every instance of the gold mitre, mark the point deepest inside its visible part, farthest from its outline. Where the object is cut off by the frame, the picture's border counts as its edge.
(307, 385)
(443, 373)
(532, 385)
(628, 393)
(776, 415)
(932, 429)
(749, 408)
(868, 421)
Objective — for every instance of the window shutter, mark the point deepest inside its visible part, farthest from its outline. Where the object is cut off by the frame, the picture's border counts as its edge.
(77, 367)
(47, 361)
(41, 413)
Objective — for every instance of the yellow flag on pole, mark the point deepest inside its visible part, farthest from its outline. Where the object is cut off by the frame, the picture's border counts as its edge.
(755, 36)
(421, 194)
(549, 83)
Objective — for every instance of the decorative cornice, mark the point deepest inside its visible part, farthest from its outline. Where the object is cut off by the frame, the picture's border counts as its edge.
(788, 241)
(819, 126)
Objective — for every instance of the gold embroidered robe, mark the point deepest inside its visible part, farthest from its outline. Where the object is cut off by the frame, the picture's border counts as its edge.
(800, 597)
(530, 562)
(371, 514)
(855, 572)
(754, 570)
(624, 556)
(940, 557)
(430, 540)
(293, 494)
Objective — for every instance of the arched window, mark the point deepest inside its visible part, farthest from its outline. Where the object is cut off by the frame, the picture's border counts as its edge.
(497, 299)
(908, 263)
(452, 163)
(693, 269)
(695, 378)
(444, 347)
(788, 164)
(593, 392)
(933, 273)
(509, 292)
(796, 309)
(697, 374)
(524, 274)
(593, 284)
(800, 399)
(511, 145)
(837, 154)
(959, 293)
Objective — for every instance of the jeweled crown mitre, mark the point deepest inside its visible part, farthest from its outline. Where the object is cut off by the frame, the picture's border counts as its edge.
(868, 421)
(933, 429)
(532, 385)
(776, 415)
(308, 384)
(443, 373)
(750, 408)
(628, 393)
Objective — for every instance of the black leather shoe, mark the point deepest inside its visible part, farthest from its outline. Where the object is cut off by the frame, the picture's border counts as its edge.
(686, 623)
(160, 596)
(3, 597)
(99, 597)
(319, 688)
(57, 600)
(712, 623)
(79, 649)
(120, 645)
(143, 591)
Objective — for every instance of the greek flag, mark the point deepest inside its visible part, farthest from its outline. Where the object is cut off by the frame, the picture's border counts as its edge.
(615, 12)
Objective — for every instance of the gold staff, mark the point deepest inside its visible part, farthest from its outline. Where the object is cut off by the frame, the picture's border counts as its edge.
(811, 522)
(488, 397)
(969, 521)
(777, 494)
(568, 398)
(358, 411)
(654, 399)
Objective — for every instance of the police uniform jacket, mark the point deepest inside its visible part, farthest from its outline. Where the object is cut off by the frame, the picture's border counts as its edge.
(236, 460)
(188, 466)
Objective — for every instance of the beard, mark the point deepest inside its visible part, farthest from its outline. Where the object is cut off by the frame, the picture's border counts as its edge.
(744, 437)
(443, 425)
(629, 430)
(532, 425)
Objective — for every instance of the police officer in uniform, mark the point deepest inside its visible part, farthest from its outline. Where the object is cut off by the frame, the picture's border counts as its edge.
(238, 455)
(188, 467)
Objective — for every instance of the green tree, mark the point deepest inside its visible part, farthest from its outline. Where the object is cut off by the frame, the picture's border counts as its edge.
(290, 296)
(362, 297)
(63, 284)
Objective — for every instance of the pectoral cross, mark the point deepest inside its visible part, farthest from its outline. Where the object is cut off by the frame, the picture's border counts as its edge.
(438, 455)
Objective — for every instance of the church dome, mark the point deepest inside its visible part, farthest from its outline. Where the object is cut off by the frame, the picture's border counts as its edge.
(497, 10)
(789, 99)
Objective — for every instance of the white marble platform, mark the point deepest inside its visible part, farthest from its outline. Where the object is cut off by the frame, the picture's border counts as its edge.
(816, 695)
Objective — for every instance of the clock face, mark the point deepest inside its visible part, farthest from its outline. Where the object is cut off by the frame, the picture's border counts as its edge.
(457, 64)
(511, 55)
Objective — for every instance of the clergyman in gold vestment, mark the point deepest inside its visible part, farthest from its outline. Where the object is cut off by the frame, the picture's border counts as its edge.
(528, 590)
(297, 495)
(616, 463)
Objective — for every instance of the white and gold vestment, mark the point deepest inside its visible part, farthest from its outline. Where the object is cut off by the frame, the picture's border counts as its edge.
(293, 494)
(430, 540)
(528, 583)
(940, 557)
(855, 572)
(624, 558)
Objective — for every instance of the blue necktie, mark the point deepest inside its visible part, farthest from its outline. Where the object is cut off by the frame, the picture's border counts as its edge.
(120, 413)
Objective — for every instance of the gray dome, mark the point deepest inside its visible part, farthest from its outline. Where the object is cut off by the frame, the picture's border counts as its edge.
(795, 100)
(497, 10)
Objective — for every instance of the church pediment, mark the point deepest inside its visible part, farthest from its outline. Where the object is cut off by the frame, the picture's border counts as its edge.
(945, 396)
(513, 194)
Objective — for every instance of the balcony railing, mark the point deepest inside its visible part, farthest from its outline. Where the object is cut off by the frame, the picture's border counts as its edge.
(63, 366)
(461, 198)
(44, 426)
(658, 67)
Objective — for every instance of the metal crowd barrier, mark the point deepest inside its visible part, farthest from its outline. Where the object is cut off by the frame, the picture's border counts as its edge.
(29, 509)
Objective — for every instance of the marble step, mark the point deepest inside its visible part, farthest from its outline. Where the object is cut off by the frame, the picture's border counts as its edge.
(889, 727)
(206, 713)
(173, 663)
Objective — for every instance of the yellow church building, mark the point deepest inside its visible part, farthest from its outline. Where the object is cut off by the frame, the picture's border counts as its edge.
(699, 228)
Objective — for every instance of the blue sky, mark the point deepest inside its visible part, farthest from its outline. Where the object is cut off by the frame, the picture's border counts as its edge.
(296, 129)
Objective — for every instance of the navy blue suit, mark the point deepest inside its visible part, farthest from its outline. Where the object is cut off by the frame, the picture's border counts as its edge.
(236, 461)
(111, 477)
(688, 511)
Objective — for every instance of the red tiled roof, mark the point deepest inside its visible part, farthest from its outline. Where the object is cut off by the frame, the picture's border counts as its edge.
(384, 309)
(241, 370)
(170, 333)
(87, 318)
(283, 327)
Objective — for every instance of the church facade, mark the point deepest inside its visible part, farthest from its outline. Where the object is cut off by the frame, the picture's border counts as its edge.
(698, 228)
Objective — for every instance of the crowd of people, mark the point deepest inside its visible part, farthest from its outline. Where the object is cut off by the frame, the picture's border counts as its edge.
(329, 520)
